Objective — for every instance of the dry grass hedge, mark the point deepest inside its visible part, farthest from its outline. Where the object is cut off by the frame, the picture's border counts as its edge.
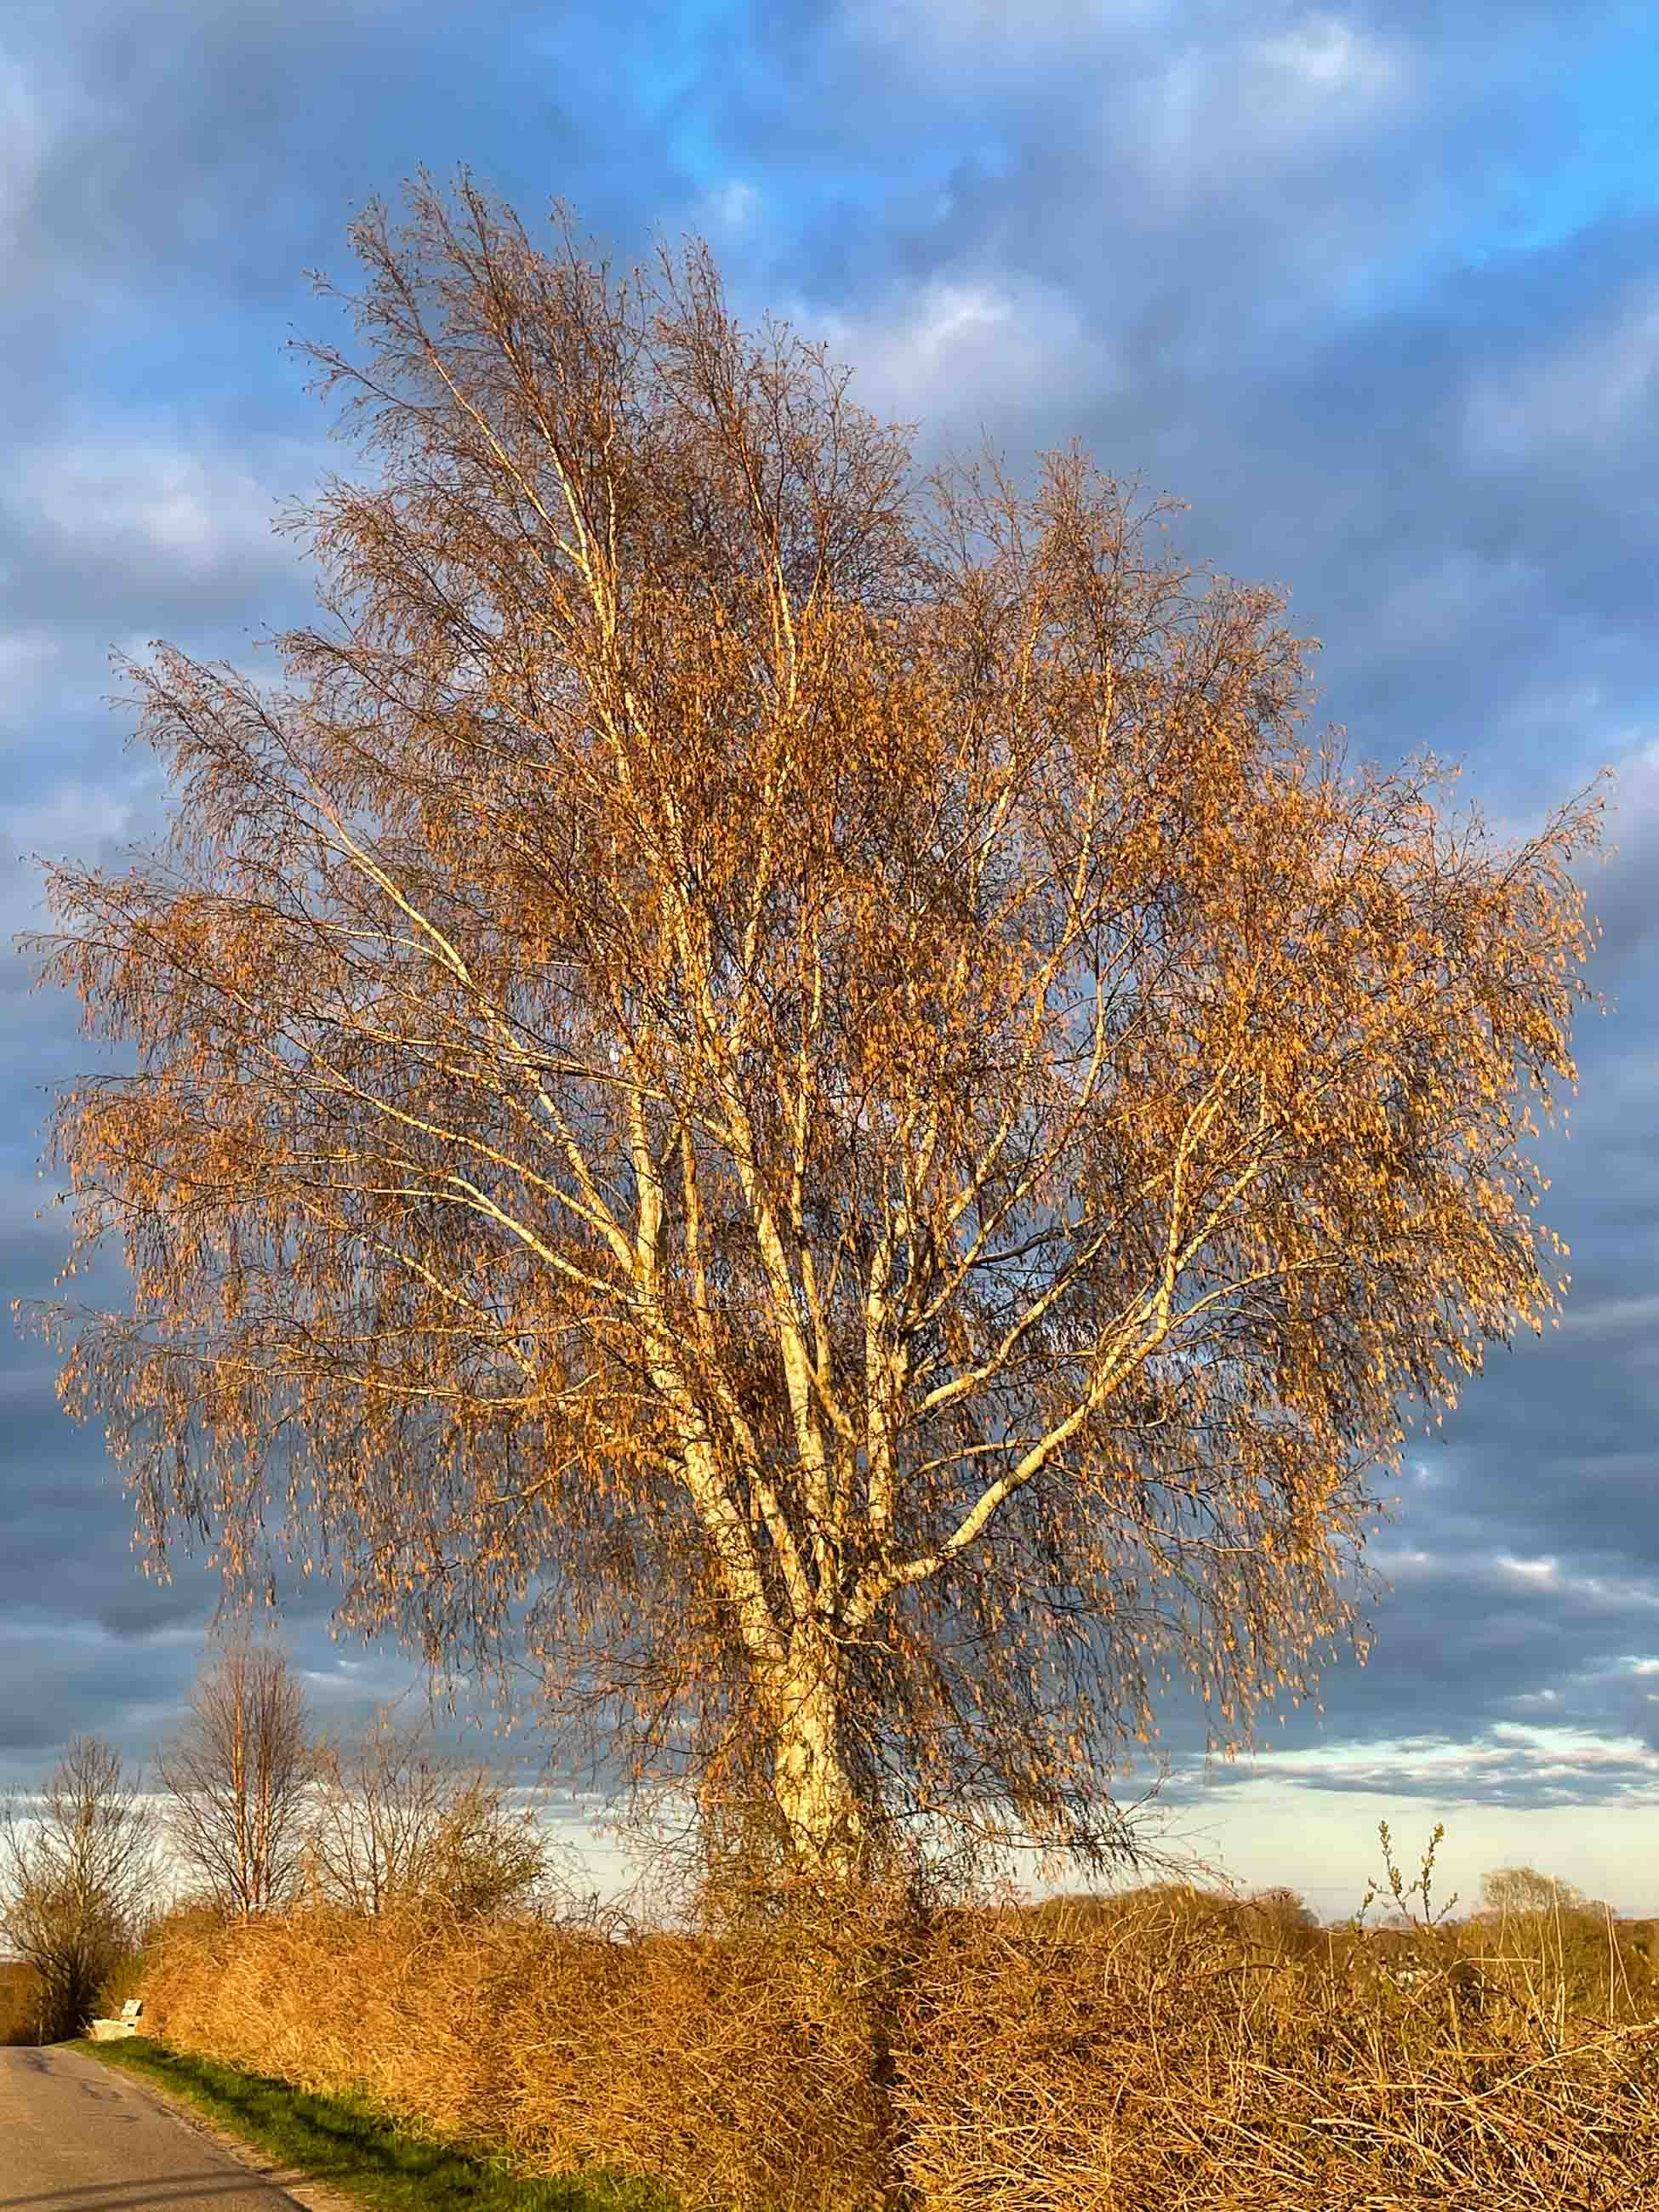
(1173, 2057)
(1169, 2050)
(738, 2072)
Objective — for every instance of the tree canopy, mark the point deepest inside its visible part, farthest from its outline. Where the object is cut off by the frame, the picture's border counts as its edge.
(786, 1085)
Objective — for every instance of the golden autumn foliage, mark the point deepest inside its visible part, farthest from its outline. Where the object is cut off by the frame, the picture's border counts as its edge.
(786, 1088)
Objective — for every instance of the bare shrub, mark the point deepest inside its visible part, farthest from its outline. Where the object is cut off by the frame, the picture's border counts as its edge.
(238, 1777)
(78, 1876)
(1523, 1889)
(393, 1823)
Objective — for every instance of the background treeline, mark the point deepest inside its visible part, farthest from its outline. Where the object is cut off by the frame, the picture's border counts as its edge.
(251, 1812)
(367, 1921)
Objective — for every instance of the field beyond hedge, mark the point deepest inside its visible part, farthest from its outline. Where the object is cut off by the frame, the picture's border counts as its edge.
(1167, 2051)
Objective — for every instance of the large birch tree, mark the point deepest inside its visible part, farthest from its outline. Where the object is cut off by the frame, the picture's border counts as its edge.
(787, 1088)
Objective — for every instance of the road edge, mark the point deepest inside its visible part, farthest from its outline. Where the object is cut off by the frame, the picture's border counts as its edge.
(300, 2188)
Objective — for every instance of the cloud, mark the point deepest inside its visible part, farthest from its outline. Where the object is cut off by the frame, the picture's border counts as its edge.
(1620, 1317)
(1593, 392)
(23, 139)
(733, 208)
(1328, 57)
(125, 529)
(993, 341)
(1261, 106)
(142, 502)
(1514, 1762)
(970, 40)
(81, 817)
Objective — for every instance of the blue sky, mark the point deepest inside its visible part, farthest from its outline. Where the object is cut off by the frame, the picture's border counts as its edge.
(1375, 289)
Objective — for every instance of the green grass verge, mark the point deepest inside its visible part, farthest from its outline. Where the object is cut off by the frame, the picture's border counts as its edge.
(356, 2149)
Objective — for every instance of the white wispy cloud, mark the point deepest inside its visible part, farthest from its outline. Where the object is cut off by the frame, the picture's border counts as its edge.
(987, 339)
(186, 509)
(1509, 1754)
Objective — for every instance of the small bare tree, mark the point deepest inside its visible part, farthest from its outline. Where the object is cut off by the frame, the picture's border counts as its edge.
(790, 1088)
(1520, 1890)
(77, 1878)
(238, 1777)
(394, 1823)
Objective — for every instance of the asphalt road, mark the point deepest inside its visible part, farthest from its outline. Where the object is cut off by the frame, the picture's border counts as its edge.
(76, 2136)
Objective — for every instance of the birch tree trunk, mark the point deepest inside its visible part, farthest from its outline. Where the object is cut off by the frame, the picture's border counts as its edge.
(814, 1779)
